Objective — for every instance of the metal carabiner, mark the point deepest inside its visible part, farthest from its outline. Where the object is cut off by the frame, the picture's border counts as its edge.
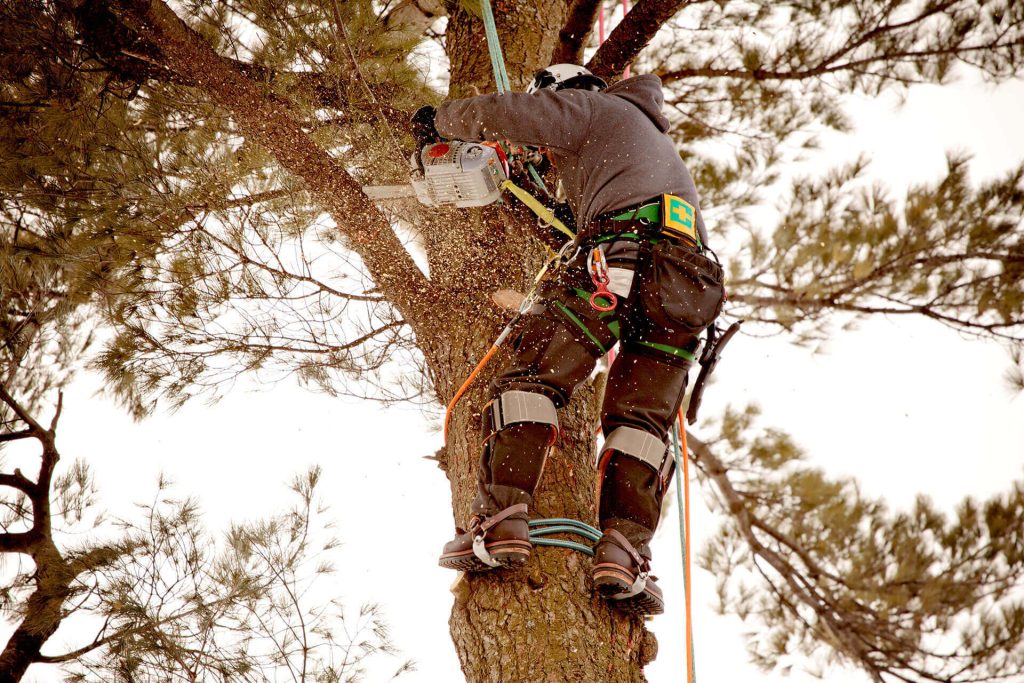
(598, 267)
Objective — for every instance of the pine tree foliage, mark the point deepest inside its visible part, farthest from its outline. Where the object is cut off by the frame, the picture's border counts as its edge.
(841, 246)
(160, 596)
(910, 595)
(212, 250)
(211, 233)
(753, 90)
(181, 604)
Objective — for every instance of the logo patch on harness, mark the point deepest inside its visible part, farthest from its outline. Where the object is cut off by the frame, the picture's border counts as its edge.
(678, 218)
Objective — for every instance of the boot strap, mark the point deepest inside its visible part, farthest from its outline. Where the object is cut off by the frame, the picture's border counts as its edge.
(481, 526)
(641, 562)
(642, 565)
(485, 524)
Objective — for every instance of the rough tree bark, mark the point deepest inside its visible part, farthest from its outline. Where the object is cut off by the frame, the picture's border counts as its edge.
(537, 624)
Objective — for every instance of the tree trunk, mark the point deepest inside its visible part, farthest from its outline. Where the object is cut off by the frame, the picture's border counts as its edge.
(541, 623)
(43, 613)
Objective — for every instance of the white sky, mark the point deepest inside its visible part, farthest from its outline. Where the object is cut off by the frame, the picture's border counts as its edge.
(906, 406)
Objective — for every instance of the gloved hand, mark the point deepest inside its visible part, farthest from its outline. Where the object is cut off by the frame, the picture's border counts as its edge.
(423, 126)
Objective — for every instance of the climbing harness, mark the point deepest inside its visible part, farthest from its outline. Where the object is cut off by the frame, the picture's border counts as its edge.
(597, 265)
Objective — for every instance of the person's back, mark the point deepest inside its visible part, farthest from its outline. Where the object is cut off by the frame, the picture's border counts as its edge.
(610, 146)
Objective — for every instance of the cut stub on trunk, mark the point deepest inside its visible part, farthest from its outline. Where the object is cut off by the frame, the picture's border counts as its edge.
(509, 299)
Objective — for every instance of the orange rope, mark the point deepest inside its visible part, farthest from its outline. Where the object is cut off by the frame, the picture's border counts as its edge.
(465, 387)
(689, 577)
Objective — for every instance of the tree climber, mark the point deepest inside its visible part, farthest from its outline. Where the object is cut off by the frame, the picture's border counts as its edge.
(642, 242)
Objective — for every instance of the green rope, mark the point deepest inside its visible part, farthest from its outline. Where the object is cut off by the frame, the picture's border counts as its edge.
(678, 455)
(537, 179)
(566, 526)
(494, 48)
(539, 528)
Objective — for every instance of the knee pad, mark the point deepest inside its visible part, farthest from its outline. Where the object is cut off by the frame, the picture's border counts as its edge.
(639, 445)
(633, 472)
(519, 428)
(514, 407)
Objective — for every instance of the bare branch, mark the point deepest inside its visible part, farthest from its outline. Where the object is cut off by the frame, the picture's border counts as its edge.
(573, 37)
(18, 481)
(632, 35)
(14, 436)
(37, 430)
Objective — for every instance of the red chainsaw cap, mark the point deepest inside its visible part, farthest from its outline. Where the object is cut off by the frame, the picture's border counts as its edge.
(439, 150)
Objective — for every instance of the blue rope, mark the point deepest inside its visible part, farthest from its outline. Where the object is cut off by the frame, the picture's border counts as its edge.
(539, 528)
(570, 526)
(494, 48)
(572, 545)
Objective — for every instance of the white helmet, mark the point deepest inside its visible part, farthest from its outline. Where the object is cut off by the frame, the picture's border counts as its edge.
(562, 76)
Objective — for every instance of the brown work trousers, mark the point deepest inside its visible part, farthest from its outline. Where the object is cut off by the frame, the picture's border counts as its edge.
(675, 293)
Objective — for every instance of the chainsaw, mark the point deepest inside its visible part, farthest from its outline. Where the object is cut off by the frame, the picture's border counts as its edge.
(452, 173)
(463, 174)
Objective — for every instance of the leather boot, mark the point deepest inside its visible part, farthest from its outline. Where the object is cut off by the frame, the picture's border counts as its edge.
(499, 532)
(500, 539)
(622, 569)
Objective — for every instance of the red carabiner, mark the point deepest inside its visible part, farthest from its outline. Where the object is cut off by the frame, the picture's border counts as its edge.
(602, 291)
(599, 276)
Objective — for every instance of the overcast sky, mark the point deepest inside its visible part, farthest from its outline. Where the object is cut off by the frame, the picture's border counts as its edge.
(906, 406)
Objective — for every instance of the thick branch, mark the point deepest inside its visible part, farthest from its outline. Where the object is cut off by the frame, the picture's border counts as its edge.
(36, 429)
(43, 612)
(134, 57)
(18, 481)
(573, 36)
(39, 492)
(273, 126)
(632, 35)
(14, 436)
(411, 18)
(21, 542)
(825, 67)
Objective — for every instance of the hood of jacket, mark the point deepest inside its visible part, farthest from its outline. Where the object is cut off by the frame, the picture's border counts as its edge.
(643, 92)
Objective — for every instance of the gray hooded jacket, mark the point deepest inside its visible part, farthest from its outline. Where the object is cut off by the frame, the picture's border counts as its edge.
(610, 147)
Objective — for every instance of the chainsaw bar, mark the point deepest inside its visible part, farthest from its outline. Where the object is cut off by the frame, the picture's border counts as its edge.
(385, 192)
